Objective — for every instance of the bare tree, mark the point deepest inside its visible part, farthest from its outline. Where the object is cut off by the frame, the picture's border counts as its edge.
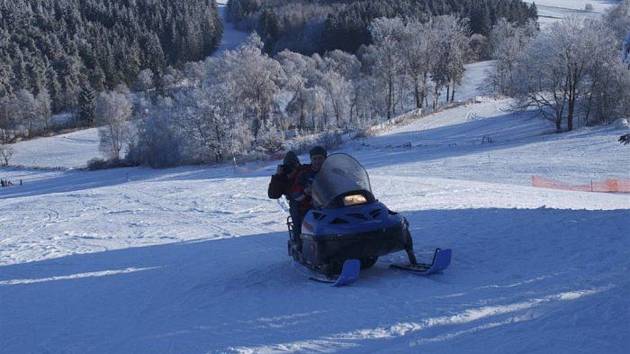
(27, 110)
(43, 107)
(6, 152)
(450, 51)
(508, 43)
(417, 49)
(299, 70)
(113, 110)
(385, 56)
(555, 72)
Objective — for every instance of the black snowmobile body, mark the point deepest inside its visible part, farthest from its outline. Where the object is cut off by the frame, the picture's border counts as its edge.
(347, 222)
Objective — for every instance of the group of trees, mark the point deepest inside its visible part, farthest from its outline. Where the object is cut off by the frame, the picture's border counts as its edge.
(24, 109)
(53, 52)
(245, 100)
(317, 26)
(571, 71)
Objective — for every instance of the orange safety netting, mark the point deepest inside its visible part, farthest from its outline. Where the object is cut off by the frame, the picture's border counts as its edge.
(609, 185)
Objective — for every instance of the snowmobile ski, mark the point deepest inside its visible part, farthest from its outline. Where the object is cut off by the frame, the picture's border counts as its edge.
(349, 274)
(441, 261)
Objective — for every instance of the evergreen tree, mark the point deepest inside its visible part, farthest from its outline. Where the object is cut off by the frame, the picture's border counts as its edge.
(63, 45)
(87, 106)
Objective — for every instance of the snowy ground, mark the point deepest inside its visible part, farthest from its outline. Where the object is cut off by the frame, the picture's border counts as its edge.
(193, 260)
(71, 150)
(550, 11)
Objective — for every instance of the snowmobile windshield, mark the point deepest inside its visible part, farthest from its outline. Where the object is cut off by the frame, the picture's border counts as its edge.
(341, 175)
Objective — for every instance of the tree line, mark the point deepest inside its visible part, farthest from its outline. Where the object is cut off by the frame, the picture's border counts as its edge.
(54, 52)
(247, 102)
(316, 26)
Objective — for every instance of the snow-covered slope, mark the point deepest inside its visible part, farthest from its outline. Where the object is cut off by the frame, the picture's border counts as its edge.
(193, 260)
(550, 11)
(71, 150)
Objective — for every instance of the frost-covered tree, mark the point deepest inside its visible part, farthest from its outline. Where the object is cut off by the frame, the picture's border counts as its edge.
(559, 65)
(144, 81)
(112, 111)
(27, 111)
(417, 47)
(385, 59)
(607, 92)
(338, 70)
(508, 42)
(213, 124)
(254, 77)
(44, 110)
(618, 18)
(450, 52)
(300, 72)
(7, 115)
(157, 141)
(6, 152)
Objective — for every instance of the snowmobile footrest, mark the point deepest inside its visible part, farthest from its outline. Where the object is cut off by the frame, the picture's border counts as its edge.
(349, 274)
(441, 261)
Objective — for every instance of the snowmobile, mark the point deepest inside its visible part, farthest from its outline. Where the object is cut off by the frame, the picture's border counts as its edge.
(348, 229)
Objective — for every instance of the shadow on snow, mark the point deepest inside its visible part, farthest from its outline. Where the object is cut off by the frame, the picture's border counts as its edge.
(244, 294)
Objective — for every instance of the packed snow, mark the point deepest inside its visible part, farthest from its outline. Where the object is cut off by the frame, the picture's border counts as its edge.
(193, 259)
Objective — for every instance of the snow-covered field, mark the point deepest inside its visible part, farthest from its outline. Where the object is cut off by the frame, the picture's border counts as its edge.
(550, 11)
(71, 150)
(193, 260)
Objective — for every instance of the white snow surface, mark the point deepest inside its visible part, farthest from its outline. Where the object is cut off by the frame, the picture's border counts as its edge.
(193, 259)
(550, 11)
(71, 150)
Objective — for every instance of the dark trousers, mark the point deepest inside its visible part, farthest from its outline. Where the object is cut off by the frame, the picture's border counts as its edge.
(294, 210)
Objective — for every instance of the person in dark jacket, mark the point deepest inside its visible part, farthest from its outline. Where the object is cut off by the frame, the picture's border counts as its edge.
(301, 190)
(282, 180)
(281, 184)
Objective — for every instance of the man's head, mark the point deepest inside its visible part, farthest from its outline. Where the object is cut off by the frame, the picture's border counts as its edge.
(291, 160)
(318, 155)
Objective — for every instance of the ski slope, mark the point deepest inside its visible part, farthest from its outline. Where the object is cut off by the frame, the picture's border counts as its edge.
(193, 260)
